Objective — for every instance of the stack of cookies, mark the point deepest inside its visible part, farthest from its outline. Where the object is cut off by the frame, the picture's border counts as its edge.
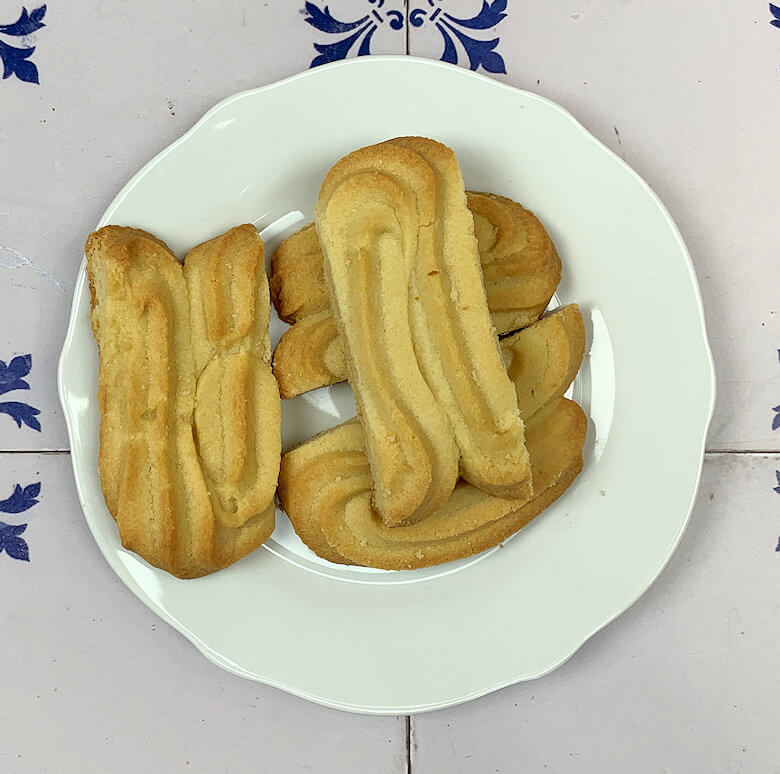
(402, 286)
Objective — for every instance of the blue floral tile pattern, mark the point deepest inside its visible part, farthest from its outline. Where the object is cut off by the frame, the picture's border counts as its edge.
(349, 33)
(11, 542)
(16, 59)
(22, 499)
(775, 11)
(462, 37)
(12, 378)
(454, 30)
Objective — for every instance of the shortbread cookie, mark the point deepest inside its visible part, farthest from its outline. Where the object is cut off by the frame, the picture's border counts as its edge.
(325, 483)
(372, 209)
(454, 338)
(519, 261)
(333, 515)
(309, 355)
(237, 410)
(151, 471)
(543, 359)
(297, 282)
(520, 264)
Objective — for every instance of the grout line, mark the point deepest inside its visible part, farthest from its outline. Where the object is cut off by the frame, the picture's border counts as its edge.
(408, 744)
(34, 451)
(406, 25)
(766, 452)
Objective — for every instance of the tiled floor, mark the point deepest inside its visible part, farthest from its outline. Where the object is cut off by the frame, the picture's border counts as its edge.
(683, 682)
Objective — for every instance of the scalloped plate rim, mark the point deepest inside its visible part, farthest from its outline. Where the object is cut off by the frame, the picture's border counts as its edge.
(205, 649)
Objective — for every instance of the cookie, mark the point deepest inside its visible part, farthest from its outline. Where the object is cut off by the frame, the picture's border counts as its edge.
(519, 262)
(325, 483)
(543, 359)
(454, 338)
(372, 210)
(237, 416)
(152, 471)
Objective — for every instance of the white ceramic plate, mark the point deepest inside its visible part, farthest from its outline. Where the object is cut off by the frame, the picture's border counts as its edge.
(380, 642)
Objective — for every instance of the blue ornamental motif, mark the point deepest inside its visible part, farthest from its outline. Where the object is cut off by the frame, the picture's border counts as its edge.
(358, 31)
(11, 542)
(460, 36)
(16, 60)
(775, 11)
(453, 30)
(12, 378)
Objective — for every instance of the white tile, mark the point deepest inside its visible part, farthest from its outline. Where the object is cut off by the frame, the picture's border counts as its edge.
(685, 681)
(93, 681)
(118, 83)
(686, 93)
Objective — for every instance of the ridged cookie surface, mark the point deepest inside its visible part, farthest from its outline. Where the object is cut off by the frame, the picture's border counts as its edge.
(454, 338)
(325, 483)
(543, 359)
(238, 412)
(152, 469)
(373, 209)
(519, 263)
